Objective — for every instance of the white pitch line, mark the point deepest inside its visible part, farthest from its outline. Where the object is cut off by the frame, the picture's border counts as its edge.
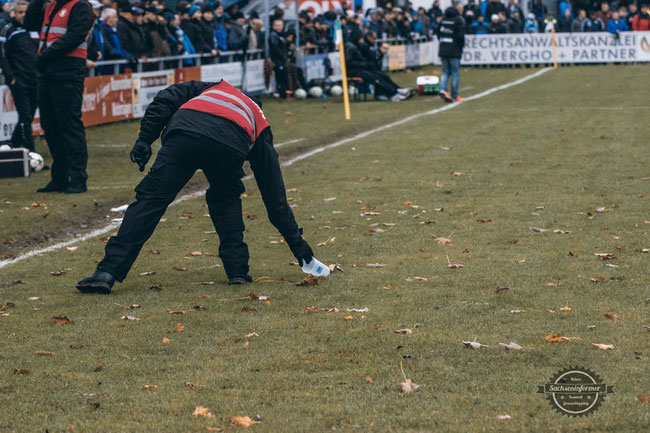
(297, 140)
(112, 226)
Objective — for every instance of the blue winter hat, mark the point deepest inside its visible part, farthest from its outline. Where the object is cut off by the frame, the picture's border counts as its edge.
(193, 9)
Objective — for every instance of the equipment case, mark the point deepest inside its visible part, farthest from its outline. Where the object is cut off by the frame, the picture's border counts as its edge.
(14, 162)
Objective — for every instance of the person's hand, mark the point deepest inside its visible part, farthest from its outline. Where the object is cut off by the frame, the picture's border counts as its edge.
(90, 64)
(13, 82)
(141, 153)
(302, 251)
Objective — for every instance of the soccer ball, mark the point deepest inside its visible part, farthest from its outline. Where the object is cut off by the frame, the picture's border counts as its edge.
(35, 161)
(300, 94)
(336, 91)
(352, 91)
(316, 92)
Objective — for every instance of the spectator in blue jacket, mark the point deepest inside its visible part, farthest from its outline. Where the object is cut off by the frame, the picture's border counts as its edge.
(113, 49)
(531, 25)
(480, 27)
(616, 25)
(220, 28)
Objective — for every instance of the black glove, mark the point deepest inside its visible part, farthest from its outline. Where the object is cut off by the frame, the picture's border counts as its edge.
(141, 153)
(302, 251)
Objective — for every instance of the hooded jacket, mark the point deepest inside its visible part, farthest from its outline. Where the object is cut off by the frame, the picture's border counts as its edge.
(451, 34)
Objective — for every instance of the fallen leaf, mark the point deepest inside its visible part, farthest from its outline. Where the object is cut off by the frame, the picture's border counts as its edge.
(538, 230)
(195, 253)
(129, 318)
(375, 265)
(71, 248)
(157, 288)
(150, 386)
(22, 370)
(565, 308)
(243, 421)
(62, 320)
(311, 310)
(368, 379)
(248, 309)
(555, 337)
(99, 367)
(199, 307)
(251, 335)
(409, 279)
(443, 241)
(605, 256)
(502, 417)
(348, 317)
(481, 220)
(43, 353)
(33, 298)
(456, 173)
(501, 289)
(512, 346)
(598, 279)
(333, 310)
(560, 231)
(57, 273)
(455, 266)
(474, 344)
(310, 280)
(335, 267)
(612, 316)
(179, 327)
(202, 411)
(409, 386)
(601, 209)
(133, 306)
(603, 346)
(170, 311)
(644, 398)
(406, 331)
(179, 269)
(357, 310)
(144, 274)
(165, 340)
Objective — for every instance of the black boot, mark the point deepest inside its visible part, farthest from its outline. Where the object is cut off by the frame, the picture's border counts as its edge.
(98, 282)
(77, 188)
(237, 280)
(53, 187)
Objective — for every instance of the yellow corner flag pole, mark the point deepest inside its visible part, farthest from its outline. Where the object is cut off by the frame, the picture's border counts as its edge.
(344, 75)
(554, 50)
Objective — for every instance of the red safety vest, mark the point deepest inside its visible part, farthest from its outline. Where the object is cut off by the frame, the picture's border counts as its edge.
(224, 100)
(58, 27)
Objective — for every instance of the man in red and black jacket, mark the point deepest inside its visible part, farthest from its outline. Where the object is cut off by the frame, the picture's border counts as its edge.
(213, 127)
(64, 27)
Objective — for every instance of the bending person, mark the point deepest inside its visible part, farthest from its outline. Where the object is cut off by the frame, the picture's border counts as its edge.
(213, 127)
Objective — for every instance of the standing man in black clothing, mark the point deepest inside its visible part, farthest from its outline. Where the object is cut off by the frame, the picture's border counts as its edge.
(64, 26)
(279, 50)
(132, 37)
(213, 127)
(452, 41)
(18, 63)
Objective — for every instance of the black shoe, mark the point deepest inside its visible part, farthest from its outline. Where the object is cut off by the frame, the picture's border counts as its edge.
(53, 187)
(98, 282)
(76, 189)
(240, 280)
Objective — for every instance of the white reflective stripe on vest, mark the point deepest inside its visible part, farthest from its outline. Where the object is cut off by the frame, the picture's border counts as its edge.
(83, 45)
(447, 40)
(251, 117)
(58, 30)
(228, 105)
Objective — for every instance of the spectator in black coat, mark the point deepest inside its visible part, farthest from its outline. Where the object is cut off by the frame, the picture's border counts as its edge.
(237, 38)
(207, 30)
(564, 23)
(278, 50)
(191, 25)
(494, 7)
(131, 35)
(593, 23)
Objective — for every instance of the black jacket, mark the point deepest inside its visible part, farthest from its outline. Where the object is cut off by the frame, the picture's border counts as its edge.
(52, 63)
(207, 37)
(451, 34)
(17, 54)
(164, 113)
(278, 48)
(354, 59)
(192, 29)
(132, 38)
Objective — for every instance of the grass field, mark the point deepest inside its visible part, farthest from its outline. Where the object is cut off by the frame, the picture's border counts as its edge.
(564, 151)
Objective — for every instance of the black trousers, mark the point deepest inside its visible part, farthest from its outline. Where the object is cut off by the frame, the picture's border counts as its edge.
(383, 84)
(25, 99)
(179, 158)
(281, 80)
(60, 109)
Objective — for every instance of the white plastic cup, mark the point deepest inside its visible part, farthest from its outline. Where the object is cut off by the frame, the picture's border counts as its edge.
(315, 268)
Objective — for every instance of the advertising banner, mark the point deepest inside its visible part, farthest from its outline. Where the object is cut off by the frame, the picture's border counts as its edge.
(146, 86)
(396, 57)
(255, 76)
(314, 66)
(570, 48)
(107, 99)
(182, 75)
(231, 72)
